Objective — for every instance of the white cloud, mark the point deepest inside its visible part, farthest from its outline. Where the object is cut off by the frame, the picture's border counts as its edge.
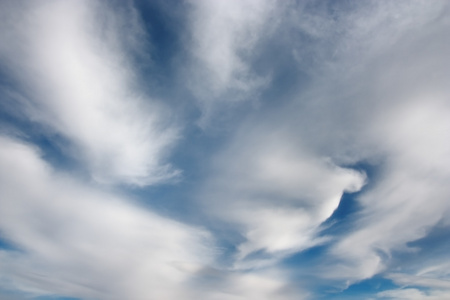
(74, 240)
(376, 92)
(381, 97)
(401, 115)
(224, 35)
(73, 59)
(378, 96)
(420, 280)
(276, 193)
(411, 195)
(249, 286)
(77, 241)
(411, 294)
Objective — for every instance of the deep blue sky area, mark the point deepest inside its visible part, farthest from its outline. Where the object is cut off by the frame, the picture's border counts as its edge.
(221, 150)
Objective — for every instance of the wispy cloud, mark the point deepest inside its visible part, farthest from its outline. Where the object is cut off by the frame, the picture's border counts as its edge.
(275, 192)
(407, 125)
(411, 294)
(318, 100)
(74, 61)
(80, 241)
(77, 241)
(223, 38)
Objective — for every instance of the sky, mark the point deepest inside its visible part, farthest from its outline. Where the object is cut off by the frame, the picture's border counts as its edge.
(224, 149)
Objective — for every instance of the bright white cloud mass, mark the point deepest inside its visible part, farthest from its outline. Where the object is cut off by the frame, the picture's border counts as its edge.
(224, 150)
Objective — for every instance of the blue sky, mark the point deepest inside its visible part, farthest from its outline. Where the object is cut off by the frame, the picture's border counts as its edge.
(224, 150)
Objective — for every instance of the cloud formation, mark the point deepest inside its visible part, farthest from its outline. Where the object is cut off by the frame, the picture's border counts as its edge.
(74, 59)
(328, 176)
(224, 36)
(277, 194)
(80, 241)
(77, 241)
